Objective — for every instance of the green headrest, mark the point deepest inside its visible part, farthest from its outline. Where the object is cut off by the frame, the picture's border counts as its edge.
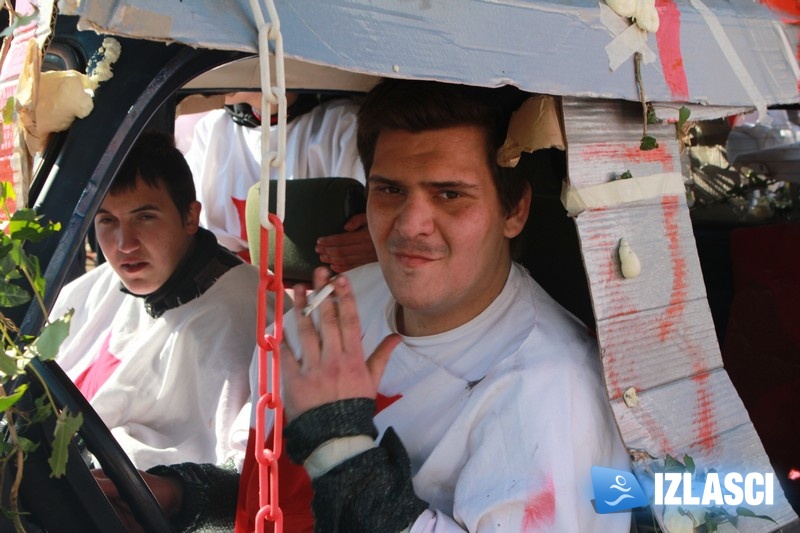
(315, 207)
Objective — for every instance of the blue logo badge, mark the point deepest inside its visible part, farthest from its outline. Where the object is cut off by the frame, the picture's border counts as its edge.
(616, 490)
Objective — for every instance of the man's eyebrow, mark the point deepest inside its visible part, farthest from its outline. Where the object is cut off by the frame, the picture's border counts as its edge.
(437, 184)
(145, 207)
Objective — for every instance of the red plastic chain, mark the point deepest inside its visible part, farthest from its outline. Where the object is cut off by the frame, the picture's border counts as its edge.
(269, 380)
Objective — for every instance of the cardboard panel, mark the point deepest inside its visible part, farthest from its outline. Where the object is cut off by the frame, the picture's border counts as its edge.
(661, 236)
(637, 353)
(603, 140)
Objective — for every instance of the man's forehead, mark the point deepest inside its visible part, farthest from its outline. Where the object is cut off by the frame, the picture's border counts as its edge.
(141, 193)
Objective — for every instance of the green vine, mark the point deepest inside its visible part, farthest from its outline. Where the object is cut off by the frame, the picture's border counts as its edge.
(21, 281)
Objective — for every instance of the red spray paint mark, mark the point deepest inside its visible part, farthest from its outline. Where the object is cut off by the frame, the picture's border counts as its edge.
(668, 38)
(678, 295)
(541, 508)
(240, 206)
(704, 423)
(628, 153)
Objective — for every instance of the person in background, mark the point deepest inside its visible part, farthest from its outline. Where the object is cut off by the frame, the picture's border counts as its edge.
(225, 158)
(163, 332)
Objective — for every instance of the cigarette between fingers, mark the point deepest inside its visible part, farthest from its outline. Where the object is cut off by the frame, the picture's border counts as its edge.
(317, 298)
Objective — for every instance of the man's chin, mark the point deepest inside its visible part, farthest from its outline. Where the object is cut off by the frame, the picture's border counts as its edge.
(139, 287)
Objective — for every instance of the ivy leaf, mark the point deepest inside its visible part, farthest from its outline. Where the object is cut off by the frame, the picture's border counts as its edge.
(711, 524)
(651, 114)
(744, 511)
(648, 143)
(8, 110)
(25, 224)
(7, 402)
(673, 465)
(8, 364)
(7, 191)
(51, 337)
(689, 462)
(12, 295)
(66, 427)
(39, 283)
(683, 116)
(26, 445)
(42, 409)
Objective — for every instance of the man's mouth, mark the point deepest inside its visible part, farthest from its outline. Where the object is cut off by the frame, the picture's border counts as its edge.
(133, 267)
(413, 259)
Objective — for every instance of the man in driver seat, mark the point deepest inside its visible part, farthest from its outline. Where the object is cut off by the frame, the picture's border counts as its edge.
(164, 331)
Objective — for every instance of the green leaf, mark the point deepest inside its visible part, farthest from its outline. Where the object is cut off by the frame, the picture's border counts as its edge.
(7, 191)
(683, 116)
(651, 114)
(12, 295)
(648, 143)
(42, 409)
(9, 401)
(51, 337)
(673, 465)
(8, 110)
(8, 364)
(27, 445)
(66, 427)
(625, 175)
(689, 462)
(744, 511)
(25, 224)
(35, 271)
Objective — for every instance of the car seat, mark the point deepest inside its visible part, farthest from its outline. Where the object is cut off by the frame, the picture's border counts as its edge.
(315, 207)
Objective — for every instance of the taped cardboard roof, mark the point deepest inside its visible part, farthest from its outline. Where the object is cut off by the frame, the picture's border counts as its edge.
(721, 52)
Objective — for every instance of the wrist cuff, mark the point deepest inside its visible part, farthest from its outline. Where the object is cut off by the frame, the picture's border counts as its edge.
(343, 418)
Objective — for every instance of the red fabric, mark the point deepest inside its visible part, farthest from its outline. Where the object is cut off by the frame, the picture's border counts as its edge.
(98, 372)
(294, 491)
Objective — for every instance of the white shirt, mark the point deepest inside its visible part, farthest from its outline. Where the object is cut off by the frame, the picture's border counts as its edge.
(225, 159)
(181, 378)
(502, 417)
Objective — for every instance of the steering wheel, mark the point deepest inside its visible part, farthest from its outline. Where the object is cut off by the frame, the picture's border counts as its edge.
(75, 502)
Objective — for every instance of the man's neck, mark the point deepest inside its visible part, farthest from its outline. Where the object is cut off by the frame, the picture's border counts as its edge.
(205, 262)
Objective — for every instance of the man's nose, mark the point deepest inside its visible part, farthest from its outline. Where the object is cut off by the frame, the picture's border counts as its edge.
(127, 239)
(415, 217)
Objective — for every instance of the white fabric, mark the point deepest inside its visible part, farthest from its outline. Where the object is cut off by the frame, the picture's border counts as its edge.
(182, 377)
(225, 159)
(502, 417)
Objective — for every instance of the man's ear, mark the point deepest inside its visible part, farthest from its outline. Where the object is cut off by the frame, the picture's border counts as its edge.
(191, 221)
(515, 220)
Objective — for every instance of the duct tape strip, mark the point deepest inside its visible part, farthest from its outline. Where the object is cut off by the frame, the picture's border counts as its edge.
(628, 39)
(787, 48)
(620, 192)
(732, 57)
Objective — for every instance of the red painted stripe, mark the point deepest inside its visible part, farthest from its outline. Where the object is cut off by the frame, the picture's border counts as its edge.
(669, 48)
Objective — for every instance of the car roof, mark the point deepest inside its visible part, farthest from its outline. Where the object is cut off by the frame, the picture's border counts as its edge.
(716, 52)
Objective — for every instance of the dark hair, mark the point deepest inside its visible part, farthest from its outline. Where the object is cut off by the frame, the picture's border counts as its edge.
(417, 106)
(157, 161)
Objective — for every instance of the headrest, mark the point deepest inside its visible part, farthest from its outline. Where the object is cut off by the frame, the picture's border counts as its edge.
(315, 207)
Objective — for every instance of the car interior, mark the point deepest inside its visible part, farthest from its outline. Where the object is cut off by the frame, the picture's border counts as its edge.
(76, 170)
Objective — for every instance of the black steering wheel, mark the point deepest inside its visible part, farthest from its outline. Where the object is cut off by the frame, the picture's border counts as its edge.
(75, 502)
